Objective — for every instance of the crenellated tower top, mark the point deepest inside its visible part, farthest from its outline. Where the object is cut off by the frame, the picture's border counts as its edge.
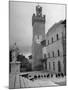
(38, 17)
(39, 10)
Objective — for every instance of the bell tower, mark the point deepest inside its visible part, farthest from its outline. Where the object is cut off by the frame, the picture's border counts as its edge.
(38, 24)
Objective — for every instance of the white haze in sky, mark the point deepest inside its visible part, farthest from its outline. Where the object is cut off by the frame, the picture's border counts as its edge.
(20, 21)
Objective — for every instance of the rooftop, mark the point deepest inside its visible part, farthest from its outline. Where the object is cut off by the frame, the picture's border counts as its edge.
(56, 25)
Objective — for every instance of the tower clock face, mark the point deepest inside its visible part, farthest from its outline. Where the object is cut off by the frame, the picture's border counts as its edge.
(38, 39)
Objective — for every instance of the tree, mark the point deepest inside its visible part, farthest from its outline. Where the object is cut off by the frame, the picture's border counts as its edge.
(24, 63)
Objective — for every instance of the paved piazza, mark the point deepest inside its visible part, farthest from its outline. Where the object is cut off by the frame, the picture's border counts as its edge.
(17, 81)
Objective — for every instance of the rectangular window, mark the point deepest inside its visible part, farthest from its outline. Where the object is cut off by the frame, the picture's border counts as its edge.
(53, 54)
(45, 65)
(57, 37)
(58, 53)
(52, 39)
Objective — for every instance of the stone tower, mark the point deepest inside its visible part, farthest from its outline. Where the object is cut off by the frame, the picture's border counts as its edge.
(38, 23)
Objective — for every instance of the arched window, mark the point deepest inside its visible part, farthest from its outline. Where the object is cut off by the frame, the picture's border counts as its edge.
(54, 66)
(57, 37)
(53, 53)
(58, 53)
(59, 66)
(45, 65)
(52, 39)
(49, 66)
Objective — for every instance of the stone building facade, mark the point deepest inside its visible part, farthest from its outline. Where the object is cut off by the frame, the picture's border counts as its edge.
(55, 48)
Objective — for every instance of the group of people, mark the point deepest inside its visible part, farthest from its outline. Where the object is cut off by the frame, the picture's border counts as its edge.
(57, 75)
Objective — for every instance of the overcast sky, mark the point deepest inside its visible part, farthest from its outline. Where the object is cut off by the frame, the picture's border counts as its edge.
(20, 21)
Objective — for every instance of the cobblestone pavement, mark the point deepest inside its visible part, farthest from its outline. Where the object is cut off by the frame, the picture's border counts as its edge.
(16, 81)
